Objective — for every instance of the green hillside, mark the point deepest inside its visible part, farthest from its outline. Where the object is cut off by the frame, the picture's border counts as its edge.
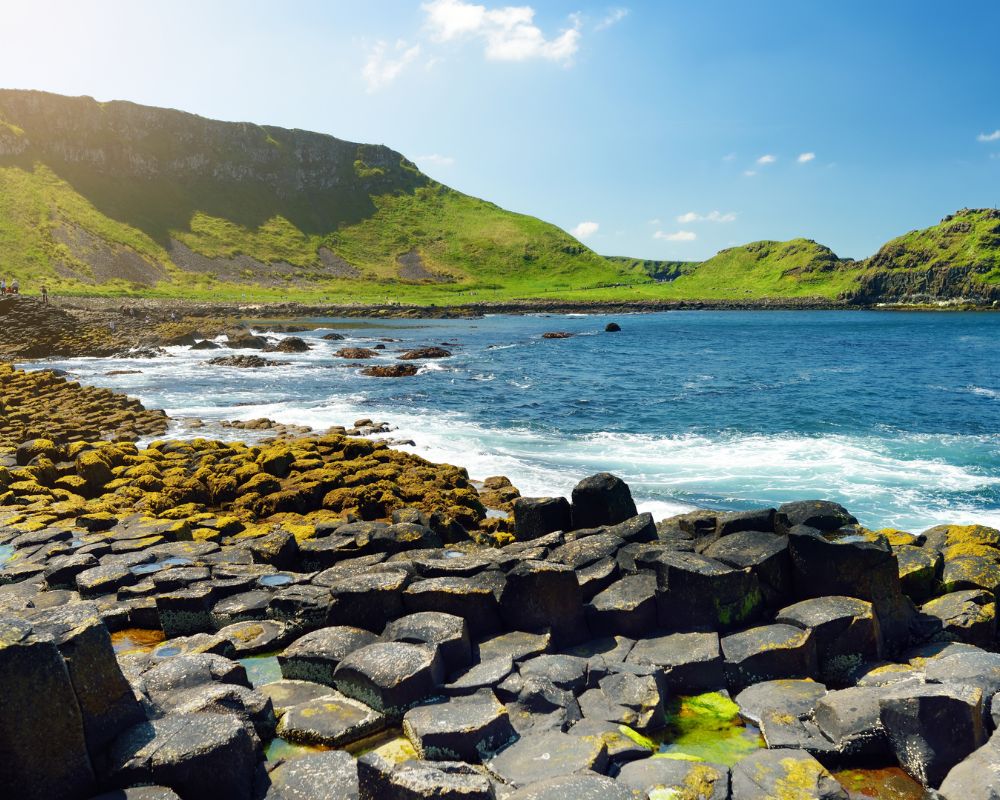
(116, 197)
(969, 238)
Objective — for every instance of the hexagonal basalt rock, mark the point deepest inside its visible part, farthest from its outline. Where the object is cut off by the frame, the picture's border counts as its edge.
(784, 774)
(471, 729)
(845, 630)
(627, 607)
(537, 516)
(331, 720)
(472, 598)
(254, 637)
(601, 499)
(932, 728)
(577, 787)
(448, 632)
(378, 779)
(483, 675)
(539, 756)
(368, 600)
(628, 699)
(767, 653)
(315, 656)
(200, 756)
(675, 778)
(317, 776)
(284, 694)
(967, 616)
(699, 593)
(391, 677)
(540, 595)
(691, 662)
(764, 554)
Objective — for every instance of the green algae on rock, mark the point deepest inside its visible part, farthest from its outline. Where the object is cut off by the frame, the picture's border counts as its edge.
(706, 727)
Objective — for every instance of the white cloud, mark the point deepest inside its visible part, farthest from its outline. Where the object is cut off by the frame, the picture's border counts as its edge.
(676, 236)
(767, 159)
(711, 216)
(749, 172)
(585, 230)
(613, 17)
(384, 65)
(805, 158)
(989, 137)
(509, 32)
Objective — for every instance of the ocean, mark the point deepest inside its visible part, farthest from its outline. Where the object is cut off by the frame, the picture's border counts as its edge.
(894, 414)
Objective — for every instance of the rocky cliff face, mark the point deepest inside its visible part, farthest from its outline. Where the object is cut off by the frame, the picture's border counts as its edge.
(126, 140)
(928, 285)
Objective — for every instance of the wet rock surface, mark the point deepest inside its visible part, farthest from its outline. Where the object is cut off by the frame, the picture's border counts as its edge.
(325, 617)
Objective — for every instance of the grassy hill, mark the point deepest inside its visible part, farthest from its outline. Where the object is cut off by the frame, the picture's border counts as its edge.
(117, 198)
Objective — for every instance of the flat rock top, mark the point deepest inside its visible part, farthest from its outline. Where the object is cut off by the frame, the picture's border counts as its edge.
(538, 756)
(675, 648)
(739, 646)
(387, 663)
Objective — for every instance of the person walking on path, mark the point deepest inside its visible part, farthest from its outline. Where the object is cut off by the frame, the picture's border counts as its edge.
(45, 295)
(15, 286)
(3, 286)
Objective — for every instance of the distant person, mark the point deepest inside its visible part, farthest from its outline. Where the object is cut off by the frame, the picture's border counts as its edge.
(3, 286)
(45, 295)
(15, 286)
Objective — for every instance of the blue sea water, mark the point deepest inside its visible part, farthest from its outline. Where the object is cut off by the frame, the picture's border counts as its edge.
(896, 415)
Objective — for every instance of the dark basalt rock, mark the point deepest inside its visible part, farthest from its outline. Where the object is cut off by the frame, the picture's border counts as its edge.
(601, 499)
(205, 344)
(822, 515)
(424, 352)
(627, 607)
(551, 754)
(315, 656)
(978, 776)
(672, 776)
(199, 756)
(391, 677)
(244, 362)
(290, 344)
(691, 662)
(539, 595)
(769, 652)
(330, 720)
(447, 632)
(379, 779)
(470, 729)
(612, 327)
(536, 516)
(932, 728)
(582, 786)
(390, 371)
(967, 616)
(317, 776)
(769, 774)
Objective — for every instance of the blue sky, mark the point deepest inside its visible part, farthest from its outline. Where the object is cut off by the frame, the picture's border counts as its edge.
(673, 128)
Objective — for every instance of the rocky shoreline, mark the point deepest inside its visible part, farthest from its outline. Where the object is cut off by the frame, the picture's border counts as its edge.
(320, 616)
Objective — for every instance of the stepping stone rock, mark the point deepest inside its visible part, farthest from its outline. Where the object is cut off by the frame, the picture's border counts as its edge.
(918, 571)
(540, 595)
(140, 793)
(850, 718)
(784, 774)
(564, 671)
(285, 694)
(628, 699)
(539, 756)
(967, 616)
(538, 705)
(601, 499)
(764, 554)
(977, 777)
(368, 601)
(627, 607)
(199, 756)
(699, 593)
(536, 516)
(621, 748)
(449, 633)
(378, 779)
(768, 652)
(823, 515)
(470, 729)
(844, 629)
(252, 638)
(517, 645)
(675, 778)
(691, 662)
(795, 698)
(315, 656)
(932, 728)
(577, 787)
(472, 599)
(318, 776)
(41, 727)
(391, 677)
(484, 675)
(331, 720)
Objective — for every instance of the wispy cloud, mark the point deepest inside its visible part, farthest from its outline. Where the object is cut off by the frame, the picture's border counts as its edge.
(655, 222)
(749, 173)
(729, 157)
(585, 230)
(509, 32)
(613, 17)
(989, 137)
(435, 160)
(805, 158)
(767, 159)
(384, 65)
(711, 216)
(676, 236)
